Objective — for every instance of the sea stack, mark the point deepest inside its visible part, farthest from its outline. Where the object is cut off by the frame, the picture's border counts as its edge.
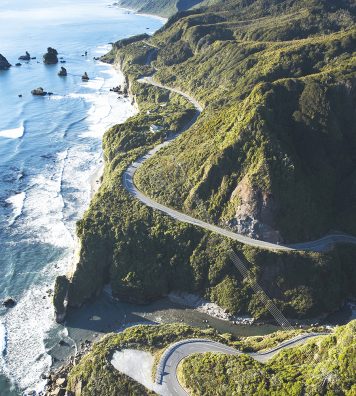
(26, 57)
(85, 77)
(62, 72)
(59, 298)
(50, 58)
(4, 64)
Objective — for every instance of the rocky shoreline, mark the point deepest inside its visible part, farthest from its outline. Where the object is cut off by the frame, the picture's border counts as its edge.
(207, 307)
(56, 380)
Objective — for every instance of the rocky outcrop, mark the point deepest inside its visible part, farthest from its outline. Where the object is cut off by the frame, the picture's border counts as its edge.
(9, 303)
(26, 57)
(254, 212)
(59, 298)
(50, 58)
(62, 72)
(4, 64)
(39, 92)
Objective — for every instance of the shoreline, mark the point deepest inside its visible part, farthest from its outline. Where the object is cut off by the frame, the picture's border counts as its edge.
(95, 179)
(136, 12)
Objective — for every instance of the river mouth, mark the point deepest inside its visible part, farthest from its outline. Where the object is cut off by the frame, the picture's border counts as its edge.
(105, 315)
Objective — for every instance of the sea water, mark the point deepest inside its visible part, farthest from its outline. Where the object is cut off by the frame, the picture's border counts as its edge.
(49, 148)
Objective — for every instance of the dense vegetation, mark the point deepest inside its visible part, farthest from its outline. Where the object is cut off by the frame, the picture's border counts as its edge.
(273, 155)
(274, 152)
(95, 375)
(325, 366)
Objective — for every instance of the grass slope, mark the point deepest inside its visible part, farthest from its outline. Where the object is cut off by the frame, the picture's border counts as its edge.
(274, 152)
(324, 366)
(95, 375)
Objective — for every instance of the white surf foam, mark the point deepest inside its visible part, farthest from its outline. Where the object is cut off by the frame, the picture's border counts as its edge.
(2, 338)
(26, 325)
(107, 109)
(54, 201)
(102, 49)
(14, 133)
(17, 202)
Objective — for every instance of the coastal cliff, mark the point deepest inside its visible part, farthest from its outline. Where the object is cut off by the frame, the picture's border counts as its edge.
(272, 156)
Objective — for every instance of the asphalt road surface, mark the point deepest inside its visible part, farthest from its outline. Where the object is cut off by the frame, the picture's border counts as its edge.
(167, 367)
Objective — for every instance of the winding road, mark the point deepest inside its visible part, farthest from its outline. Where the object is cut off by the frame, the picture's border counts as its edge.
(321, 244)
(166, 373)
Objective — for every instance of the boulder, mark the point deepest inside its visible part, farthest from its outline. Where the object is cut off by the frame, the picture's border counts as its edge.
(85, 77)
(63, 72)
(61, 382)
(38, 92)
(26, 57)
(4, 64)
(50, 58)
(18, 64)
(9, 303)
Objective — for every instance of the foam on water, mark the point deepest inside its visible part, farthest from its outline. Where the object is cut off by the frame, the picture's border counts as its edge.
(17, 202)
(44, 204)
(26, 326)
(50, 216)
(2, 338)
(54, 158)
(14, 133)
(107, 108)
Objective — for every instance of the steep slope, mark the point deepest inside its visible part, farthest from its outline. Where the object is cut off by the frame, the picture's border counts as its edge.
(272, 155)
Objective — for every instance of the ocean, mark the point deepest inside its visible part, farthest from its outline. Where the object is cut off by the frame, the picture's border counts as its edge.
(49, 149)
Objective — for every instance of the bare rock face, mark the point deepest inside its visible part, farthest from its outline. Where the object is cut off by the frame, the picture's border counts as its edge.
(4, 64)
(254, 215)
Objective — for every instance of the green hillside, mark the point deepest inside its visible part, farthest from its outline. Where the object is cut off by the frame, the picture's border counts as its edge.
(274, 152)
(273, 155)
(325, 366)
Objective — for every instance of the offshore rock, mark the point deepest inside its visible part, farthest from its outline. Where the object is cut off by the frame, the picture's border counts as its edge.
(85, 77)
(9, 303)
(50, 58)
(38, 92)
(63, 72)
(4, 64)
(26, 57)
